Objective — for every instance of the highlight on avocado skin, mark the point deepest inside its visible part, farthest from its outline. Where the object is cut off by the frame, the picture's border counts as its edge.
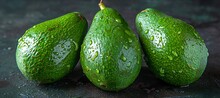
(174, 50)
(110, 54)
(50, 50)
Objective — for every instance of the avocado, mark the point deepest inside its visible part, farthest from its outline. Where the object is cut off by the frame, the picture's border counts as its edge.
(110, 54)
(50, 50)
(174, 50)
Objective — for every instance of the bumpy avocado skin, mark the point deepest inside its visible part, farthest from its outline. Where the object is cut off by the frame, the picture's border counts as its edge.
(110, 54)
(174, 50)
(50, 50)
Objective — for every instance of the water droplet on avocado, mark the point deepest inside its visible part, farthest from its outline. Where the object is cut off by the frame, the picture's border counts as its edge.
(182, 47)
(160, 39)
(118, 20)
(153, 51)
(129, 40)
(152, 38)
(87, 68)
(180, 71)
(170, 57)
(161, 71)
(129, 64)
(94, 55)
(126, 47)
(161, 27)
(174, 53)
(123, 58)
(97, 71)
(138, 62)
(101, 17)
(90, 42)
(190, 66)
(68, 66)
(76, 45)
(179, 32)
(196, 35)
(103, 85)
(128, 32)
(146, 31)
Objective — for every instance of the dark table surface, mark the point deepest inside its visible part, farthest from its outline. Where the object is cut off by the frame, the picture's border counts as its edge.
(18, 15)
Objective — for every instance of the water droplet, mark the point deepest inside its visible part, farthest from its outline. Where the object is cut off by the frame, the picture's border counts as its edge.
(153, 51)
(190, 66)
(68, 66)
(90, 42)
(101, 17)
(174, 53)
(128, 32)
(180, 71)
(146, 31)
(160, 39)
(123, 58)
(152, 38)
(97, 71)
(98, 80)
(182, 47)
(161, 27)
(129, 64)
(102, 84)
(126, 47)
(87, 68)
(196, 35)
(179, 32)
(129, 40)
(34, 26)
(161, 71)
(118, 20)
(170, 57)
(76, 45)
(174, 71)
(94, 55)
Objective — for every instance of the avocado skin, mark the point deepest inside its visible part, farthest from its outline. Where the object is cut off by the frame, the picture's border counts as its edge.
(110, 55)
(174, 50)
(50, 50)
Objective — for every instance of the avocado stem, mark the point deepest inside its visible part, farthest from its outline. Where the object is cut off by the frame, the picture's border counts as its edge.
(101, 5)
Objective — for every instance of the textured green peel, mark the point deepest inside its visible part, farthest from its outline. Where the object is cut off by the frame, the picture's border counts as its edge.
(174, 50)
(110, 54)
(50, 50)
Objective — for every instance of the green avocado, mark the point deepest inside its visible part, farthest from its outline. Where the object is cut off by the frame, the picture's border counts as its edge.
(174, 50)
(50, 50)
(110, 54)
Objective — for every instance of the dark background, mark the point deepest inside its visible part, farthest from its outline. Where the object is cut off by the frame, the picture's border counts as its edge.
(16, 16)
